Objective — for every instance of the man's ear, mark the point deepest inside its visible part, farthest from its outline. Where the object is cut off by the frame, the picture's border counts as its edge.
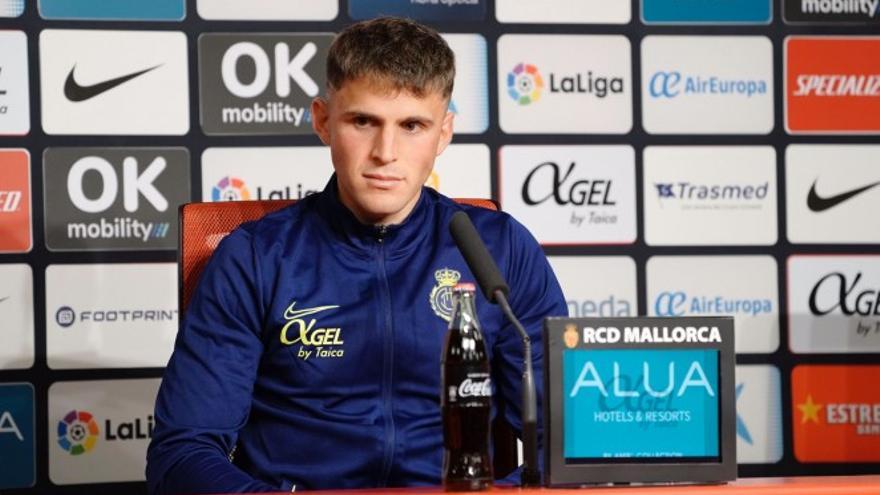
(320, 115)
(445, 132)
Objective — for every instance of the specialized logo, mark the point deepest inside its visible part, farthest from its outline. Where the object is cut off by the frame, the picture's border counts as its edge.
(818, 203)
(76, 92)
(524, 84)
(260, 83)
(15, 201)
(114, 198)
(441, 294)
(832, 11)
(322, 342)
(680, 303)
(230, 189)
(831, 86)
(836, 413)
(78, 432)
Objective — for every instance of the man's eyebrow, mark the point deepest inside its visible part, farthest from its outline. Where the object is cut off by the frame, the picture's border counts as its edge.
(427, 120)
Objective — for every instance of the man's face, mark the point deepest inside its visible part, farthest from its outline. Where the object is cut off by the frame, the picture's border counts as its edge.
(383, 144)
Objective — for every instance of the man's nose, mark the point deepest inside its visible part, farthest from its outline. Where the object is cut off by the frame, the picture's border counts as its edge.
(385, 145)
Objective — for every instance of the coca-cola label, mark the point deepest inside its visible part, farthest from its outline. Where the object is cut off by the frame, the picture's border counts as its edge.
(475, 385)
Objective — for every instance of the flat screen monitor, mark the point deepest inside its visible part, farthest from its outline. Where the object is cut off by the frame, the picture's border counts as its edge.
(639, 400)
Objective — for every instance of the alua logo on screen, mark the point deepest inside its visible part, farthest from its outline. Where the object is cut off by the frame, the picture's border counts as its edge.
(79, 431)
(672, 84)
(680, 303)
(526, 84)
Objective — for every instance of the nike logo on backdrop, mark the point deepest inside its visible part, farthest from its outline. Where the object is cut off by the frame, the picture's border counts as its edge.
(3, 298)
(818, 203)
(76, 92)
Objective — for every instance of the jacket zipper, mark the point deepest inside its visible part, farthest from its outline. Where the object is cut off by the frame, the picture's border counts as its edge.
(387, 361)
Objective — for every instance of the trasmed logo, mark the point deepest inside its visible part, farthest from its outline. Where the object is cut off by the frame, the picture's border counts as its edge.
(441, 294)
(114, 82)
(425, 10)
(15, 117)
(710, 195)
(744, 287)
(117, 10)
(99, 430)
(17, 439)
(325, 342)
(707, 12)
(15, 201)
(835, 413)
(832, 84)
(550, 92)
(260, 83)
(235, 174)
(609, 291)
(831, 11)
(834, 303)
(114, 198)
(832, 193)
(571, 194)
(564, 11)
(270, 10)
(688, 89)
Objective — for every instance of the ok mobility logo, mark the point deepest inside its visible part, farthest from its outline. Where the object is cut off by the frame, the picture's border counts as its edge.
(832, 11)
(317, 342)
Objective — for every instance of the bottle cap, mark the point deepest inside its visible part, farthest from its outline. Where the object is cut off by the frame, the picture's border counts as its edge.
(465, 286)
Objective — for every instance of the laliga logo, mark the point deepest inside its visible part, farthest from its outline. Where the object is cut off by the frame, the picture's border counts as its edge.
(78, 432)
(308, 336)
(230, 189)
(524, 84)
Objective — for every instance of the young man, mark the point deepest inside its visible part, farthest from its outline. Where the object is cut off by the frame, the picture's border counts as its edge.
(310, 355)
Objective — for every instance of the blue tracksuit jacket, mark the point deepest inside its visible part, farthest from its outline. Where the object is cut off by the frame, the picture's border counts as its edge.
(312, 349)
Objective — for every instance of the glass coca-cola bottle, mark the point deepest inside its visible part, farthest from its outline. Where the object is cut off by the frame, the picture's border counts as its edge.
(466, 398)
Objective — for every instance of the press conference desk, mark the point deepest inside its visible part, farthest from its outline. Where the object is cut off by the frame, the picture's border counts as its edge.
(808, 485)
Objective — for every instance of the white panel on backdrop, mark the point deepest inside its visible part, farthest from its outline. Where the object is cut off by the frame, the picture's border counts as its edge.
(710, 195)
(544, 89)
(597, 286)
(470, 94)
(268, 10)
(264, 173)
(16, 316)
(114, 82)
(744, 287)
(99, 430)
(758, 414)
(121, 315)
(563, 11)
(832, 194)
(571, 194)
(15, 115)
(833, 303)
(707, 84)
(463, 171)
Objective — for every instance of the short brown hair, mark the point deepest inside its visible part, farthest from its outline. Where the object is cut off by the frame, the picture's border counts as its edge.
(395, 51)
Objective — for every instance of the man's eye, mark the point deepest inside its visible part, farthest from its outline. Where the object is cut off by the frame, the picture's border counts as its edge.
(361, 121)
(412, 125)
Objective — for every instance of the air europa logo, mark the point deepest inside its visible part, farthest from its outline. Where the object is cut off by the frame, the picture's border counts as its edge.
(671, 84)
(321, 342)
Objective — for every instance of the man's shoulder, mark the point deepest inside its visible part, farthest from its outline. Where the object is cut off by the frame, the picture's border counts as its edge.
(492, 224)
(278, 224)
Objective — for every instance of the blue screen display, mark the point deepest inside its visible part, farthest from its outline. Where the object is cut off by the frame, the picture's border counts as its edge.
(631, 403)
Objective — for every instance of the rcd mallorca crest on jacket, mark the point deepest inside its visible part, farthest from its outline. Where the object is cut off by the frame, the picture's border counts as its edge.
(441, 294)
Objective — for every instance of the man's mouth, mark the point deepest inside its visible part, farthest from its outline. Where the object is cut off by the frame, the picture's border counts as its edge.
(383, 181)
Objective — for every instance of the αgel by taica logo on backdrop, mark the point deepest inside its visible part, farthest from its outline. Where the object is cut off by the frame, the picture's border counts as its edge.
(114, 198)
(260, 83)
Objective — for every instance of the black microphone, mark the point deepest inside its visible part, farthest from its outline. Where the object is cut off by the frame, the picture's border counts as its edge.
(496, 291)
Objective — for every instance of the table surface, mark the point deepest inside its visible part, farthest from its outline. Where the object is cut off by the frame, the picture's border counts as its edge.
(807, 485)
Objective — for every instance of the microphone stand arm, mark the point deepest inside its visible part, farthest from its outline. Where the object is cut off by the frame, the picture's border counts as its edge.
(530, 475)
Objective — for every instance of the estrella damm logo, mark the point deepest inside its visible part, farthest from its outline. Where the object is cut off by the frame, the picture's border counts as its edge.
(320, 342)
(78, 432)
(441, 294)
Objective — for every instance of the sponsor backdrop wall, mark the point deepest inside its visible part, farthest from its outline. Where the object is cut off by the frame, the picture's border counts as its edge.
(674, 157)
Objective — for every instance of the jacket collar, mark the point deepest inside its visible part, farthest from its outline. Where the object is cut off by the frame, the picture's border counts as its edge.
(347, 229)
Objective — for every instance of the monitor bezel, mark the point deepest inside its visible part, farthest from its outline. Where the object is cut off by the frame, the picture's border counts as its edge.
(560, 473)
